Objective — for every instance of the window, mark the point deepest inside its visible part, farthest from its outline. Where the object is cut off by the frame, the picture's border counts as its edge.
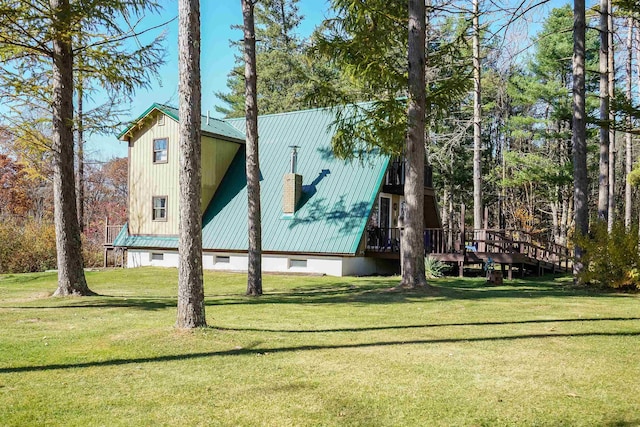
(160, 119)
(160, 150)
(222, 260)
(299, 263)
(157, 256)
(159, 208)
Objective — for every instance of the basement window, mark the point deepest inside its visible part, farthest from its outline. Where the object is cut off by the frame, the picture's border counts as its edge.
(156, 256)
(297, 263)
(223, 260)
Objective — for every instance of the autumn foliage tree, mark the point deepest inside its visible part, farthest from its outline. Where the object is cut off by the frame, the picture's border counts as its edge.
(38, 44)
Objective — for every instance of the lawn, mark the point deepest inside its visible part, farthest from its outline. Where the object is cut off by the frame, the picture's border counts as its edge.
(318, 351)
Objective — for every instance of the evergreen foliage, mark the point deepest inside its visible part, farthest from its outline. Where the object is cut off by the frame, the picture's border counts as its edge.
(366, 42)
(282, 67)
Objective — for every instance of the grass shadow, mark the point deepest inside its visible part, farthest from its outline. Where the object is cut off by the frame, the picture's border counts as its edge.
(275, 350)
(104, 301)
(384, 291)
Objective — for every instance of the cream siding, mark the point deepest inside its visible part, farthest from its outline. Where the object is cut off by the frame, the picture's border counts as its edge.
(148, 179)
(216, 158)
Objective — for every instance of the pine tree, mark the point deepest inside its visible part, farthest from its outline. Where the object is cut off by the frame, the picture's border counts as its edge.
(254, 276)
(280, 63)
(38, 43)
(191, 311)
(579, 138)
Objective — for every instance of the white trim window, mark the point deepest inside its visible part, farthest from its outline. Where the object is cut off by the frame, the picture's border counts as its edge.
(160, 148)
(159, 208)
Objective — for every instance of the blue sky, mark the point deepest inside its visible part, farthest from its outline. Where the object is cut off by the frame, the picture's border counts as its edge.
(217, 59)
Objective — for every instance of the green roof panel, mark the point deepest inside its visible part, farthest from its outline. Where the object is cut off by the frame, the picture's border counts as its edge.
(336, 200)
(209, 125)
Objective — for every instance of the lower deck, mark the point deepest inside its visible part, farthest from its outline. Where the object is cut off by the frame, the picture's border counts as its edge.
(508, 249)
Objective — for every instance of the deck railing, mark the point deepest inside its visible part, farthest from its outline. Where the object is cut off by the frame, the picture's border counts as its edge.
(111, 231)
(485, 241)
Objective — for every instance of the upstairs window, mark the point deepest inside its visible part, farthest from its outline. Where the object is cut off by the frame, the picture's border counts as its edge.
(159, 212)
(160, 150)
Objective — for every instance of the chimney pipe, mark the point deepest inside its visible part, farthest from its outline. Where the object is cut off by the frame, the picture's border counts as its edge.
(294, 158)
(292, 185)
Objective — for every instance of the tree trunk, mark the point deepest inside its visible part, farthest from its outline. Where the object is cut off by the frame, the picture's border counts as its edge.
(71, 279)
(80, 156)
(628, 155)
(191, 311)
(579, 138)
(412, 242)
(563, 220)
(603, 178)
(477, 122)
(254, 273)
(611, 202)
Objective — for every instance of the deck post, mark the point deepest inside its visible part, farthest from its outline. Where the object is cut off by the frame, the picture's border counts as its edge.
(540, 269)
(106, 240)
(460, 268)
(510, 271)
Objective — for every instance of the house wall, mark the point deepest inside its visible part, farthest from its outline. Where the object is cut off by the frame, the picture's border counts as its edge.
(217, 156)
(272, 263)
(148, 179)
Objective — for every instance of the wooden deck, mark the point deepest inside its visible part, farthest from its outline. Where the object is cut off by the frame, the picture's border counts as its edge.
(508, 249)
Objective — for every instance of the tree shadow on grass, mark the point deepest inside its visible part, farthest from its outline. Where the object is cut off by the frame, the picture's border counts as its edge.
(384, 291)
(275, 350)
(363, 291)
(432, 325)
(104, 301)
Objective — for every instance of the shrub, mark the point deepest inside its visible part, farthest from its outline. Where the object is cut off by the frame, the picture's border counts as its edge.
(27, 247)
(433, 268)
(611, 260)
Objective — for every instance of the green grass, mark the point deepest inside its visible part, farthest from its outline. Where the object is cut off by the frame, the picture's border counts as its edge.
(318, 351)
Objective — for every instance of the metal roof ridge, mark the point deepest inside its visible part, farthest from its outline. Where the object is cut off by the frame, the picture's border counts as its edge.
(173, 112)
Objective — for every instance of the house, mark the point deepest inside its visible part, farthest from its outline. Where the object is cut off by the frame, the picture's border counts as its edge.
(320, 214)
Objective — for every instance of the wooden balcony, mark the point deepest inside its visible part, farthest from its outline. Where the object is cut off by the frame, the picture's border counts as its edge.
(394, 177)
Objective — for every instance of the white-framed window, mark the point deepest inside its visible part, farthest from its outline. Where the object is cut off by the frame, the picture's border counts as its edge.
(160, 147)
(159, 208)
(157, 256)
(297, 263)
(223, 259)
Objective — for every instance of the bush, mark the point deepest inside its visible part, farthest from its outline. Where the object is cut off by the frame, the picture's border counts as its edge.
(611, 260)
(433, 268)
(27, 247)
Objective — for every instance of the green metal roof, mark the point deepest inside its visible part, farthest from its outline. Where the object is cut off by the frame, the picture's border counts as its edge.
(209, 125)
(160, 242)
(337, 197)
